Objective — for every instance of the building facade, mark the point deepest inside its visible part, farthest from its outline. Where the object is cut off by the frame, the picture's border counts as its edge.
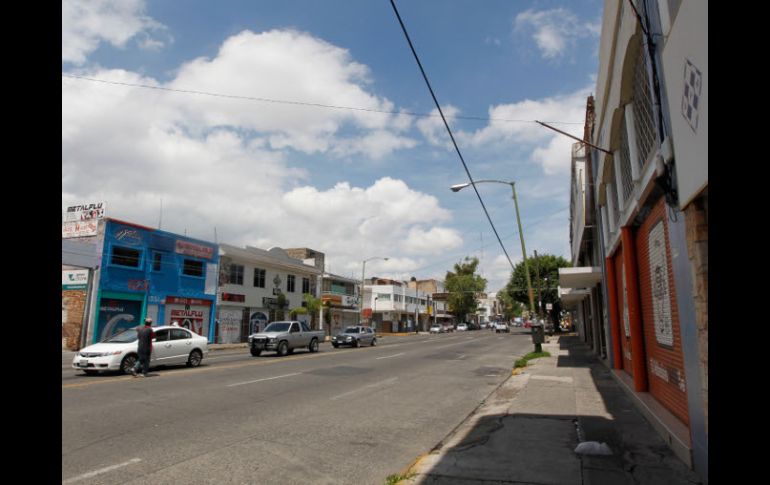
(649, 189)
(145, 272)
(340, 301)
(398, 306)
(258, 286)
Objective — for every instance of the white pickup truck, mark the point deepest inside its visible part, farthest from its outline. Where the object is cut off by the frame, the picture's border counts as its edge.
(284, 337)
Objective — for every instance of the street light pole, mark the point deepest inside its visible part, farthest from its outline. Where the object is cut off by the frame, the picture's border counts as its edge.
(458, 187)
(361, 295)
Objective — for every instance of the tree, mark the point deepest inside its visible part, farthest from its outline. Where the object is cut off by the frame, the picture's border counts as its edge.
(463, 284)
(508, 306)
(547, 266)
(313, 305)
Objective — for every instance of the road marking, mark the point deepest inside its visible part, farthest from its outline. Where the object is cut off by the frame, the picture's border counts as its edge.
(459, 358)
(389, 356)
(101, 470)
(376, 384)
(265, 379)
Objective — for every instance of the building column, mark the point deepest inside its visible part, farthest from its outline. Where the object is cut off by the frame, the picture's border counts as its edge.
(634, 310)
(612, 293)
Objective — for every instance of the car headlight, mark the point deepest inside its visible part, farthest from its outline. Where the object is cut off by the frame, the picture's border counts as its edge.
(349, 339)
(272, 340)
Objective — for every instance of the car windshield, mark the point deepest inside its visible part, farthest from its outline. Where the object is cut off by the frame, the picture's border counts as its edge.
(352, 330)
(278, 327)
(124, 337)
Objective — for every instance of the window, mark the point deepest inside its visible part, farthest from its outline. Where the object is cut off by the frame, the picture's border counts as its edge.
(126, 256)
(644, 121)
(157, 261)
(305, 328)
(161, 335)
(305, 285)
(236, 274)
(294, 328)
(192, 268)
(290, 283)
(179, 334)
(259, 278)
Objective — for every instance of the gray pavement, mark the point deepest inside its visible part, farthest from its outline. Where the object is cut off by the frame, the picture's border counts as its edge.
(527, 430)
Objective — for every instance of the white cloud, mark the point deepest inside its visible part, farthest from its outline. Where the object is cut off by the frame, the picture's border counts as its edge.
(435, 240)
(555, 31)
(549, 148)
(87, 23)
(433, 128)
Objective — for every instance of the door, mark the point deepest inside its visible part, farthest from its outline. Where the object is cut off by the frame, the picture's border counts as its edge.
(295, 336)
(181, 345)
(161, 348)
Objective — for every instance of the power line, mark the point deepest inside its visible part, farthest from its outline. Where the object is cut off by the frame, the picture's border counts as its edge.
(449, 131)
(302, 103)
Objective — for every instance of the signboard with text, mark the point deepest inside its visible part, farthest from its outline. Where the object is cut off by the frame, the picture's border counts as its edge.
(86, 212)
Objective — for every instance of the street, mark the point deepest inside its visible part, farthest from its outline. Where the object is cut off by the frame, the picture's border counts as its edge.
(337, 416)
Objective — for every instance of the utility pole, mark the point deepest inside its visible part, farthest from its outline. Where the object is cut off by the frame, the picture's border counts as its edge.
(539, 299)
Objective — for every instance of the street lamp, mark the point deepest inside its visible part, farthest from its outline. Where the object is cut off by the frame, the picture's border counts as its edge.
(363, 272)
(458, 187)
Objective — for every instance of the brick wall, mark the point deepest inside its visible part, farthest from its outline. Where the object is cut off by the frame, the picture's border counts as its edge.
(663, 348)
(697, 233)
(73, 307)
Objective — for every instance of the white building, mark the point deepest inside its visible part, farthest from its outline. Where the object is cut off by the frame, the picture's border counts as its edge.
(395, 307)
(251, 282)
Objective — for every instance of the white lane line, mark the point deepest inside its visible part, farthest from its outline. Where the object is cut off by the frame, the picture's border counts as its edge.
(376, 384)
(459, 358)
(265, 379)
(451, 345)
(390, 356)
(101, 470)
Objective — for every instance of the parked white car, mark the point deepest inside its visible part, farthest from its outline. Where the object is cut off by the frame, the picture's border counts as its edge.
(462, 327)
(437, 329)
(172, 346)
(502, 327)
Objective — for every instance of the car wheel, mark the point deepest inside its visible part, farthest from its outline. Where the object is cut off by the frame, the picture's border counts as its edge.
(374, 342)
(255, 352)
(335, 345)
(356, 344)
(283, 349)
(127, 364)
(195, 358)
(313, 345)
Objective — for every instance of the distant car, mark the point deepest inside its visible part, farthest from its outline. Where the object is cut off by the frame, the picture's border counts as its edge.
(449, 328)
(461, 327)
(437, 329)
(355, 337)
(501, 327)
(172, 346)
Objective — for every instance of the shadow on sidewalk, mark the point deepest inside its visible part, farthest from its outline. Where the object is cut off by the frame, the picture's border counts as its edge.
(527, 447)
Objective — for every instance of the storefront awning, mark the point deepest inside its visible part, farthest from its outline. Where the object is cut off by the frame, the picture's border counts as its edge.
(570, 298)
(444, 315)
(580, 277)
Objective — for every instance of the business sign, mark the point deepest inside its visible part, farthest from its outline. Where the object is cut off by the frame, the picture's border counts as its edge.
(86, 212)
(229, 326)
(192, 249)
(74, 279)
(79, 229)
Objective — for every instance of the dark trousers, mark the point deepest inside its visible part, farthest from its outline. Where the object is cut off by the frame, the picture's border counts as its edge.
(143, 363)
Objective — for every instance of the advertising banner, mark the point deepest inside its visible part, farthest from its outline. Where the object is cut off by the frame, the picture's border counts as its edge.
(117, 315)
(257, 322)
(79, 229)
(230, 325)
(86, 212)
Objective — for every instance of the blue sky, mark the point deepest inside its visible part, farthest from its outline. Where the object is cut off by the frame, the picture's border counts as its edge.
(353, 184)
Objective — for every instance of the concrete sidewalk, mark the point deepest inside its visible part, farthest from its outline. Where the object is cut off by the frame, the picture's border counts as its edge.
(527, 430)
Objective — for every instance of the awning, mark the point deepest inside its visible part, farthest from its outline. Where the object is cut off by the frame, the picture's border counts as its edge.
(580, 277)
(444, 315)
(571, 297)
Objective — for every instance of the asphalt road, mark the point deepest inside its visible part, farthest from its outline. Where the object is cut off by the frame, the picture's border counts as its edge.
(337, 416)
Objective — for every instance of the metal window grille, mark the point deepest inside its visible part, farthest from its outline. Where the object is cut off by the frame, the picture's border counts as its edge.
(625, 163)
(646, 134)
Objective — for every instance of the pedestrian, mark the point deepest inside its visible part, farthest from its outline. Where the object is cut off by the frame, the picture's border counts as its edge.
(144, 348)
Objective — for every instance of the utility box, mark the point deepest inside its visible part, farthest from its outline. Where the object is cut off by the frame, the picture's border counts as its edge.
(538, 333)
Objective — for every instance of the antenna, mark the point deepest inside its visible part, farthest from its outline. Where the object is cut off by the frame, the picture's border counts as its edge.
(215, 235)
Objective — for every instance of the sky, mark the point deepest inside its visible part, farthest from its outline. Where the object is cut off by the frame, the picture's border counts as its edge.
(298, 123)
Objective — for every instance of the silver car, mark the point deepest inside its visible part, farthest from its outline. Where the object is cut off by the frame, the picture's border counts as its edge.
(355, 337)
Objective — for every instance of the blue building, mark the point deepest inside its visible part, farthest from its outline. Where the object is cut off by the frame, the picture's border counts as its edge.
(145, 272)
